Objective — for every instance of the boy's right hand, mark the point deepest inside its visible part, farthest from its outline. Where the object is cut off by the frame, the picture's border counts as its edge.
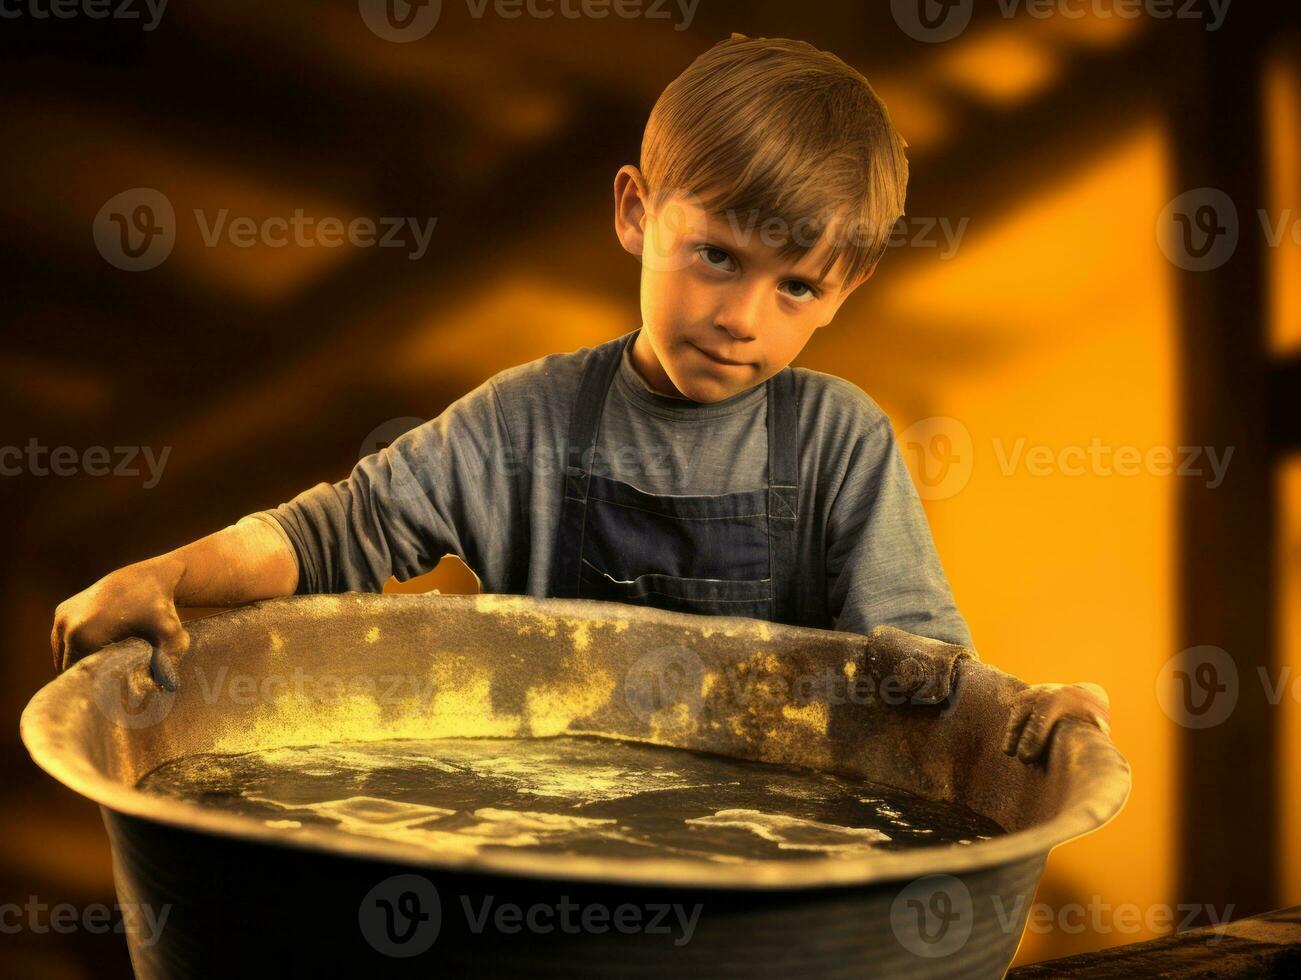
(138, 600)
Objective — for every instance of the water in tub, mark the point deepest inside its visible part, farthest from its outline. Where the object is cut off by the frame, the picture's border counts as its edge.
(569, 795)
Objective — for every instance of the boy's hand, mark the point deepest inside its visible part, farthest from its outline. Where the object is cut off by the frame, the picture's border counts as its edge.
(1037, 710)
(247, 561)
(138, 600)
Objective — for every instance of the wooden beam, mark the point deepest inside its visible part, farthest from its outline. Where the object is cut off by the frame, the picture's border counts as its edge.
(1227, 809)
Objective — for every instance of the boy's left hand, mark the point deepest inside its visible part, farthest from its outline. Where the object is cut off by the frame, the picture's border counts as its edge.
(1037, 710)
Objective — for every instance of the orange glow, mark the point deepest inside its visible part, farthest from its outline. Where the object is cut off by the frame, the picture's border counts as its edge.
(915, 111)
(1003, 67)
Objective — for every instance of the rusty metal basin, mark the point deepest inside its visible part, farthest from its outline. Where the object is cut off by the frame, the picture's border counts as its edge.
(239, 895)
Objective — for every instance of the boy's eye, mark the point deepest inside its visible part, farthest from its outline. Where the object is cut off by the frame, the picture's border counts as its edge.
(804, 293)
(715, 257)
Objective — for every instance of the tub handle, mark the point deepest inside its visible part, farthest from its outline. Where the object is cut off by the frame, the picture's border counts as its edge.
(918, 667)
(163, 668)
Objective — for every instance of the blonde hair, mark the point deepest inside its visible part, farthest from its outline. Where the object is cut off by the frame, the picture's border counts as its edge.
(779, 129)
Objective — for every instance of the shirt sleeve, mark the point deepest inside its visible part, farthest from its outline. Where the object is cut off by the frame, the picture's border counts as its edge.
(444, 487)
(882, 567)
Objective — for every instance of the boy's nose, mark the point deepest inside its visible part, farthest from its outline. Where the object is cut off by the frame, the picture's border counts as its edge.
(740, 315)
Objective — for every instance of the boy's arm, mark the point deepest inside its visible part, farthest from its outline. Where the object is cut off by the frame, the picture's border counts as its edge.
(240, 563)
(882, 567)
(447, 486)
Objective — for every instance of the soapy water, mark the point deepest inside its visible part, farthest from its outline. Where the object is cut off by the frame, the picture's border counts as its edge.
(582, 796)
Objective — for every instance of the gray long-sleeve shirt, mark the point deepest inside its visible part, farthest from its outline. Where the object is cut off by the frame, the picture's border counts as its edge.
(482, 481)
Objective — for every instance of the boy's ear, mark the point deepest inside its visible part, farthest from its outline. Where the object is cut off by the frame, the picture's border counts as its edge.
(630, 209)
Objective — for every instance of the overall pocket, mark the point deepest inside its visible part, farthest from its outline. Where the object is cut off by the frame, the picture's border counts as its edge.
(705, 596)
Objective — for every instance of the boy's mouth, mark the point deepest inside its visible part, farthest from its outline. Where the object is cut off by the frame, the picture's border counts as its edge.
(718, 358)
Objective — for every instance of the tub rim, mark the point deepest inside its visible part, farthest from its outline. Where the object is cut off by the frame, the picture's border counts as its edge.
(1091, 803)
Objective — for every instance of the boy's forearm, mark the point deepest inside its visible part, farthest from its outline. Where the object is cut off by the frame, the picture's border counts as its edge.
(247, 561)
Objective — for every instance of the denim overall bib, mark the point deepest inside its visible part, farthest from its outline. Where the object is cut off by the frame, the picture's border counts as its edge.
(731, 554)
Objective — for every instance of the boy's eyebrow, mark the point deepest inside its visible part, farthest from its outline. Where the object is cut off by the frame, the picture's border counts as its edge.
(715, 226)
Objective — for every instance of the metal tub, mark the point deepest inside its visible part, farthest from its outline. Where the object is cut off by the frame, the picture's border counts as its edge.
(243, 897)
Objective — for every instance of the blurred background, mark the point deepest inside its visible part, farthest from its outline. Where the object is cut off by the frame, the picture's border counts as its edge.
(1087, 336)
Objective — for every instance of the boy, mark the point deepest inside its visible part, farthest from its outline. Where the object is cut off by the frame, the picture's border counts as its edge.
(684, 465)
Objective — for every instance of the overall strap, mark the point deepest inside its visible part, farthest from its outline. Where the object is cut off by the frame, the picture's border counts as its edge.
(783, 495)
(599, 370)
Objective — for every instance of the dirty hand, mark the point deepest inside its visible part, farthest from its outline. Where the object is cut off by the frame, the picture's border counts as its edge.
(1037, 710)
(138, 600)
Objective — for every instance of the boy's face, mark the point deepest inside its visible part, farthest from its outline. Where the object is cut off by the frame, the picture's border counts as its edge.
(722, 310)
